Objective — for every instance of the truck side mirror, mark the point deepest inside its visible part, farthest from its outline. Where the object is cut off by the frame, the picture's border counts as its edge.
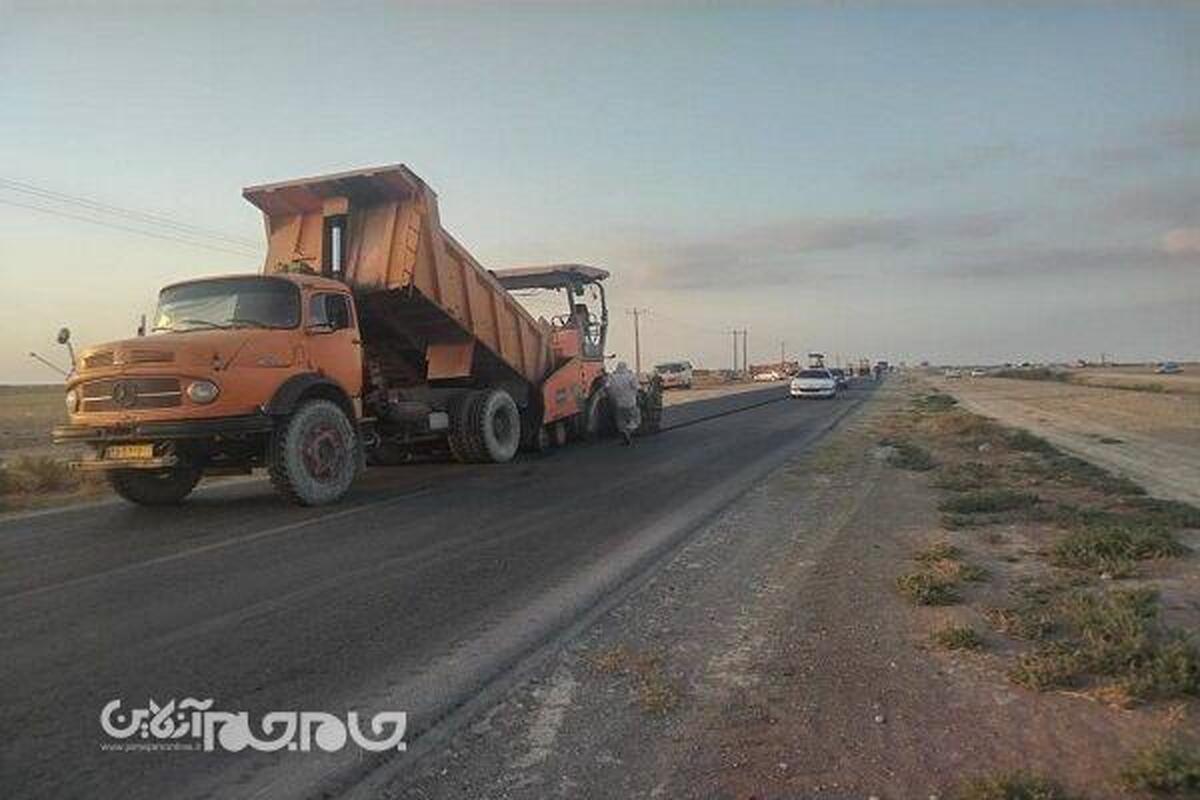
(64, 335)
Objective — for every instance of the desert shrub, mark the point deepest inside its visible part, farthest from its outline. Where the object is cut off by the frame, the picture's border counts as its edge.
(935, 402)
(1026, 442)
(1169, 769)
(967, 476)
(906, 455)
(39, 474)
(927, 588)
(1115, 635)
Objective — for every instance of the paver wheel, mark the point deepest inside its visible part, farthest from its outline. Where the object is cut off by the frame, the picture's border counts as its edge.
(315, 454)
(147, 487)
(597, 421)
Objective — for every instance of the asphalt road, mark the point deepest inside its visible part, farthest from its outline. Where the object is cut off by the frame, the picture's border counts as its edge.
(425, 591)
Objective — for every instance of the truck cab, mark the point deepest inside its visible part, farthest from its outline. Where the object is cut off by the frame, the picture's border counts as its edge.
(225, 361)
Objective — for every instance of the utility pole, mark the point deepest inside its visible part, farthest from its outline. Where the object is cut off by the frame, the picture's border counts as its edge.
(782, 358)
(637, 338)
(735, 349)
(745, 361)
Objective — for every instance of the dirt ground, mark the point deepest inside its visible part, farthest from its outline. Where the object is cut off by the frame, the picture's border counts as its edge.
(1152, 438)
(774, 657)
(27, 413)
(1187, 382)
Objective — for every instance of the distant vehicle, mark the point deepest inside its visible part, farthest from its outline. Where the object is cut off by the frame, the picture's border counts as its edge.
(1169, 368)
(768, 376)
(814, 383)
(978, 373)
(952, 374)
(839, 376)
(675, 374)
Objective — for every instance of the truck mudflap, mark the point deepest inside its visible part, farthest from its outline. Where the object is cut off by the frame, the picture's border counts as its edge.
(163, 431)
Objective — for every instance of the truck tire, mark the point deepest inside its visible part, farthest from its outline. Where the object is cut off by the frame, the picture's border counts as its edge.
(460, 409)
(493, 429)
(155, 487)
(315, 454)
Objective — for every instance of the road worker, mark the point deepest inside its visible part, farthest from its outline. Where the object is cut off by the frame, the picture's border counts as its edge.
(622, 389)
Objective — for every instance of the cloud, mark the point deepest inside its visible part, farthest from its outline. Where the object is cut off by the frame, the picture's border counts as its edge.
(1182, 242)
(962, 164)
(1172, 204)
(1156, 142)
(804, 249)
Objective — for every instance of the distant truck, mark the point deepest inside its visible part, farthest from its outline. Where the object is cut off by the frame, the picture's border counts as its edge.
(371, 335)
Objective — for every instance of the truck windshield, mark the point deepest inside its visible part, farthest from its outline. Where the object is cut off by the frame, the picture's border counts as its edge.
(228, 303)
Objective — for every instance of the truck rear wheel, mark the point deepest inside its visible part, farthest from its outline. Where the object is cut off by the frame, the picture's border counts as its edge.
(314, 454)
(148, 487)
(490, 429)
(460, 410)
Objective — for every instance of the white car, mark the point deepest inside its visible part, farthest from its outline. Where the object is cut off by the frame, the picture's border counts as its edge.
(675, 374)
(814, 383)
(769, 375)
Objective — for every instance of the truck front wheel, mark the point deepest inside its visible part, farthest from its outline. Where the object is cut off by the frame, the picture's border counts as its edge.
(314, 454)
(165, 487)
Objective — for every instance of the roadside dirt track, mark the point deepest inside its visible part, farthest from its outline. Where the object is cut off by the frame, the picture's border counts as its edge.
(1154, 439)
(773, 658)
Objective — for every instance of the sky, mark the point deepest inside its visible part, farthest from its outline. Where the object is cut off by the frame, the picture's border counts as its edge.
(953, 183)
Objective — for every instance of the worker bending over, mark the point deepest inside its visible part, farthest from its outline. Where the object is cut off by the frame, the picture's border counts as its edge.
(623, 394)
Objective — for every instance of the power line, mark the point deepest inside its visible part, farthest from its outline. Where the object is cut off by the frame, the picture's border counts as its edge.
(116, 226)
(126, 214)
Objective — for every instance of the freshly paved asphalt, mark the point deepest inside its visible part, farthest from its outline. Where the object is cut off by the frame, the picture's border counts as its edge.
(422, 592)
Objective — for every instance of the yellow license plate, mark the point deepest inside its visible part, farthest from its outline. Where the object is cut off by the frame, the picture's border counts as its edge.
(126, 452)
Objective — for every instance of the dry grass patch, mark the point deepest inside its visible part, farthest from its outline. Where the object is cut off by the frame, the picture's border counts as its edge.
(1011, 786)
(938, 577)
(957, 637)
(1111, 637)
(655, 692)
(988, 501)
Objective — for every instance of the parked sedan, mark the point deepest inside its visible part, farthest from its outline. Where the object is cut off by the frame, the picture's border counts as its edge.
(814, 383)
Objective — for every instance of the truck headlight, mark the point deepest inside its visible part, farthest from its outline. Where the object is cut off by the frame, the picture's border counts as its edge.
(202, 392)
(72, 399)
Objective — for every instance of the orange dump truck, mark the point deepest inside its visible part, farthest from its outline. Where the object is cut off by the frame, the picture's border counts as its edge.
(370, 336)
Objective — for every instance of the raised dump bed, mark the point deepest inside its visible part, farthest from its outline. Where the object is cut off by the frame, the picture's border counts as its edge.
(429, 312)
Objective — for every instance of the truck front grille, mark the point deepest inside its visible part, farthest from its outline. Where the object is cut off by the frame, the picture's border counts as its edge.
(124, 394)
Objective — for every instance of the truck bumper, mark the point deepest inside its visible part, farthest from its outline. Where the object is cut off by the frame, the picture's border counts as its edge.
(163, 431)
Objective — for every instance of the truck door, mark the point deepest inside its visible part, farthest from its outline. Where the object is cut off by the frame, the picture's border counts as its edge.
(334, 344)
